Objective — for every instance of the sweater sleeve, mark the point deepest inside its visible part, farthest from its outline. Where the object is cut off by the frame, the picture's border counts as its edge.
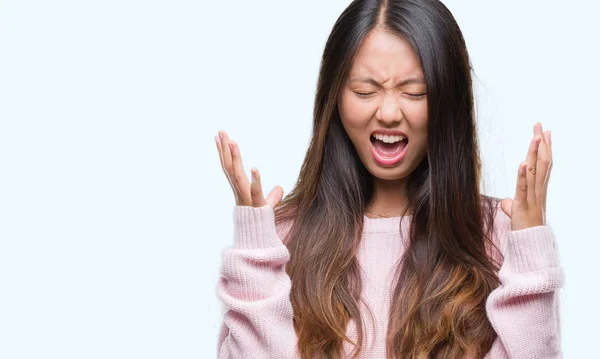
(254, 288)
(525, 309)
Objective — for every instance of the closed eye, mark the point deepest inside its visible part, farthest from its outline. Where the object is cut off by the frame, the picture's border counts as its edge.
(364, 94)
(411, 95)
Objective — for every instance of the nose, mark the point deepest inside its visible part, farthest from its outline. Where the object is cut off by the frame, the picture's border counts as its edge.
(389, 111)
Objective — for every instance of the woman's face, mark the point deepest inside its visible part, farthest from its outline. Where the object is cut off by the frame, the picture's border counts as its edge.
(385, 93)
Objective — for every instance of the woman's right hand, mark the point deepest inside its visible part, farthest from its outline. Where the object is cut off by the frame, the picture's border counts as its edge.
(246, 193)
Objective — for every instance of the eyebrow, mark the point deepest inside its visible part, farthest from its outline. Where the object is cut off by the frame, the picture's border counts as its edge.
(410, 80)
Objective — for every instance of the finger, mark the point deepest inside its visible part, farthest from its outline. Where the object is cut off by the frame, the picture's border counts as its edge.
(531, 168)
(218, 142)
(256, 189)
(506, 205)
(549, 170)
(223, 158)
(239, 177)
(521, 190)
(542, 164)
(551, 156)
(275, 196)
(226, 150)
(549, 141)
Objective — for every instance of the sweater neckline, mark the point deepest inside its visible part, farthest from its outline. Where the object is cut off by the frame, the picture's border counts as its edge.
(386, 225)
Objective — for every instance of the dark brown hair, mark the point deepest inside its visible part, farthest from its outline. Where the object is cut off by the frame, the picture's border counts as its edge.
(438, 303)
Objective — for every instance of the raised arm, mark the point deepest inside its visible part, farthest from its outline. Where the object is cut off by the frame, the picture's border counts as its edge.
(525, 309)
(253, 284)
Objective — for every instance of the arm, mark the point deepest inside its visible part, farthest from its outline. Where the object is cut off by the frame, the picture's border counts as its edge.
(524, 310)
(255, 289)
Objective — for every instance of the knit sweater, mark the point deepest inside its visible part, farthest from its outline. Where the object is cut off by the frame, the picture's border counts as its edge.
(524, 309)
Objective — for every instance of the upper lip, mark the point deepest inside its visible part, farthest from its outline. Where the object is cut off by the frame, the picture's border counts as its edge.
(389, 132)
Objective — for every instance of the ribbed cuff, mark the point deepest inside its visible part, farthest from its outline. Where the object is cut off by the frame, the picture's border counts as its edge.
(533, 248)
(254, 227)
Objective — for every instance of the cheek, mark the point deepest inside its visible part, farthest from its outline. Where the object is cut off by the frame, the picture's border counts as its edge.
(418, 117)
(418, 121)
(355, 115)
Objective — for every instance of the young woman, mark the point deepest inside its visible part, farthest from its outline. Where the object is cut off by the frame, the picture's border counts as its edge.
(385, 248)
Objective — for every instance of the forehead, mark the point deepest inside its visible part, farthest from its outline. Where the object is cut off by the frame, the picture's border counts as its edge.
(383, 56)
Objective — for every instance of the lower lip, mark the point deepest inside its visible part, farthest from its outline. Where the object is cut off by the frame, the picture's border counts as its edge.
(388, 161)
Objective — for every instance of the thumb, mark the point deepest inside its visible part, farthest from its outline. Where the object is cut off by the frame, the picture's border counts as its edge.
(275, 196)
(506, 205)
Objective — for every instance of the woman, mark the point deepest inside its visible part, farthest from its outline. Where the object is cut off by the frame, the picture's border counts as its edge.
(385, 248)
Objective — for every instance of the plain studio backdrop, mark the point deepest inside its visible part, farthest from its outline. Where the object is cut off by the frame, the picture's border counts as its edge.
(113, 206)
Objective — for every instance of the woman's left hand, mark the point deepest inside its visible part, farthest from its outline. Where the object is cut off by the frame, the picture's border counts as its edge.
(528, 208)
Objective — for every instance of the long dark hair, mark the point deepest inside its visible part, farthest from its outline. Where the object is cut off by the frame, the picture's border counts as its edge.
(438, 303)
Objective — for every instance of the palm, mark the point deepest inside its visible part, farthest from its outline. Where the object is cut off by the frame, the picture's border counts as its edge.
(528, 208)
(247, 193)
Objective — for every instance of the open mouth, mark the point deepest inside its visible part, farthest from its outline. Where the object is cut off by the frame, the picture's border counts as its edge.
(388, 150)
(389, 145)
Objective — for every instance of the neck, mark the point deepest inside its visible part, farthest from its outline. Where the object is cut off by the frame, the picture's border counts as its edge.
(388, 198)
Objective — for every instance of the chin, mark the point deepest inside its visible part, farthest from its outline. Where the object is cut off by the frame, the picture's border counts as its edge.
(388, 174)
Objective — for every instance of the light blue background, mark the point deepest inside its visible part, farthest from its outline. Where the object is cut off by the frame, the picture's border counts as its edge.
(113, 206)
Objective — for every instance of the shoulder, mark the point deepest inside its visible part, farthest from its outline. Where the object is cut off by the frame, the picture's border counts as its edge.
(284, 220)
(283, 229)
(501, 229)
(501, 221)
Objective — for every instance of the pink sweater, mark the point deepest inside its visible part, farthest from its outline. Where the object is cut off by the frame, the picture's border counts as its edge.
(254, 287)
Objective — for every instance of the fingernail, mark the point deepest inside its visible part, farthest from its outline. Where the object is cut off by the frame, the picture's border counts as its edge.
(221, 136)
(217, 140)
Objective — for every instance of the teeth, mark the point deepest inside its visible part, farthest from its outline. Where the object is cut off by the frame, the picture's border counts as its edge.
(388, 139)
